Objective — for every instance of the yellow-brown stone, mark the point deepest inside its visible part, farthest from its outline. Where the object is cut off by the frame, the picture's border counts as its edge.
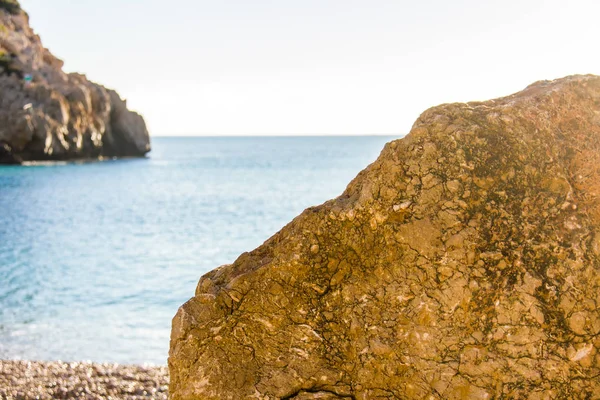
(463, 264)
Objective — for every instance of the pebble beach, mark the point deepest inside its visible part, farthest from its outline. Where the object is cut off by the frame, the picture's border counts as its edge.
(78, 380)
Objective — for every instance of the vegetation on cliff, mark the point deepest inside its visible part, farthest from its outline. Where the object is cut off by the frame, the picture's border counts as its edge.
(12, 6)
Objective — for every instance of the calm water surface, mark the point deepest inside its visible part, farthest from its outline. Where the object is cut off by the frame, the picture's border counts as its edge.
(96, 258)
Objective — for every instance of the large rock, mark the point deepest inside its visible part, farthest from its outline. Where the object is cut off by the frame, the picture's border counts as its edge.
(463, 263)
(57, 116)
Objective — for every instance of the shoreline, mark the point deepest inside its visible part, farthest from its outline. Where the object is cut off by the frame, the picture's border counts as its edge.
(69, 380)
(69, 161)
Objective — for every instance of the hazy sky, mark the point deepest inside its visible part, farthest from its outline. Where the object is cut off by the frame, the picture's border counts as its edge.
(314, 66)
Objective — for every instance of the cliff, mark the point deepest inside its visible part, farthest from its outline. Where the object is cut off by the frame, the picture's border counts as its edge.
(462, 264)
(46, 114)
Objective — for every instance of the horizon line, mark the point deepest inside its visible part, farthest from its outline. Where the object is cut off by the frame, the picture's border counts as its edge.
(213, 135)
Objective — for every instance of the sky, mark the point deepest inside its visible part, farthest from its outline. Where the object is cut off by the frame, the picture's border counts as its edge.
(308, 67)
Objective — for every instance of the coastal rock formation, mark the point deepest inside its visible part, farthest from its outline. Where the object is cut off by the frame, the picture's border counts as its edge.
(462, 264)
(46, 114)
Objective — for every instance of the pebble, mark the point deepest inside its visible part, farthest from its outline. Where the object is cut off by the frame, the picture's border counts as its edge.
(60, 380)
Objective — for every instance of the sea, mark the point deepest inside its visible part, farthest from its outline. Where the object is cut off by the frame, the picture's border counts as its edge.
(96, 257)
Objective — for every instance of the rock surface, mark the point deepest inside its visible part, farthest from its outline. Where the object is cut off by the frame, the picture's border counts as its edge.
(46, 114)
(462, 264)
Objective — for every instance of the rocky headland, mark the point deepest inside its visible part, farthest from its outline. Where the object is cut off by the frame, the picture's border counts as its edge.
(462, 264)
(46, 114)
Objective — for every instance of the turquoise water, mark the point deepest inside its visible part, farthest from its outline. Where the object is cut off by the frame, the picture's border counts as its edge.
(96, 258)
